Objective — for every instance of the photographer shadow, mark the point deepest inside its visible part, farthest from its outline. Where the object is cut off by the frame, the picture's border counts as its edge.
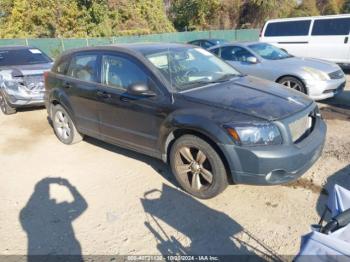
(48, 224)
(210, 232)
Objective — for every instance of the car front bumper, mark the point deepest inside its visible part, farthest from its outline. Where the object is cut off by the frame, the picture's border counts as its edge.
(20, 99)
(319, 90)
(270, 165)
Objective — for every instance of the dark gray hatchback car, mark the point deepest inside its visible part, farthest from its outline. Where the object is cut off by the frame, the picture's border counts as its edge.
(183, 105)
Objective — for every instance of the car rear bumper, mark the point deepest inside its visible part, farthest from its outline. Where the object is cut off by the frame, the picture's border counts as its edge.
(319, 90)
(17, 100)
(270, 165)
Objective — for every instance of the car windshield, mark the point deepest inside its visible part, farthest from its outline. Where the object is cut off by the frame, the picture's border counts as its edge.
(30, 56)
(269, 52)
(187, 68)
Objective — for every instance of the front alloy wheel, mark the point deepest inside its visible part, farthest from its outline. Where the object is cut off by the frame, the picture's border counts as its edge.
(293, 83)
(197, 167)
(194, 167)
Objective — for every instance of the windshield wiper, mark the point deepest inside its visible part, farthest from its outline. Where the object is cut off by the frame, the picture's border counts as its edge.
(224, 78)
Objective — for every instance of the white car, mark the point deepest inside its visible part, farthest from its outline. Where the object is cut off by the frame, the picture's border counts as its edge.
(323, 37)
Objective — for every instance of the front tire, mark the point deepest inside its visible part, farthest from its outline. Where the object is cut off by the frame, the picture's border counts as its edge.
(5, 107)
(294, 83)
(64, 127)
(197, 167)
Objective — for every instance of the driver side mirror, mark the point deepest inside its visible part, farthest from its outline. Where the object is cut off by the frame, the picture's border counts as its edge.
(140, 90)
(252, 60)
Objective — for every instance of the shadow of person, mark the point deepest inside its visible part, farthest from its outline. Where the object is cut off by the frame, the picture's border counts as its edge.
(210, 232)
(48, 224)
(341, 178)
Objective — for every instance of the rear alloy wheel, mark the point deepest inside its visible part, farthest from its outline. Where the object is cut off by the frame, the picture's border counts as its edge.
(5, 107)
(64, 127)
(197, 167)
(293, 83)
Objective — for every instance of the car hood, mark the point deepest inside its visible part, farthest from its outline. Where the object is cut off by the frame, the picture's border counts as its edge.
(298, 62)
(252, 96)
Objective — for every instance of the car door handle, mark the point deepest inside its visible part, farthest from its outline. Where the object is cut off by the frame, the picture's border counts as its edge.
(103, 94)
(67, 85)
(346, 40)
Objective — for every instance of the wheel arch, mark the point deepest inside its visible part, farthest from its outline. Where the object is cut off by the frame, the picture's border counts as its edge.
(179, 132)
(294, 76)
(58, 98)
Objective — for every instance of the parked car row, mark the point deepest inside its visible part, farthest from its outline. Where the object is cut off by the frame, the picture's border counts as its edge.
(209, 114)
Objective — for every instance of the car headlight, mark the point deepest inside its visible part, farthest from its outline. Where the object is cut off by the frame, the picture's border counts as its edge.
(316, 74)
(255, 134)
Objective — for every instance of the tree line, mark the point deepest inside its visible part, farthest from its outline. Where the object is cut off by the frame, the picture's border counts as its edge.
(103, 18)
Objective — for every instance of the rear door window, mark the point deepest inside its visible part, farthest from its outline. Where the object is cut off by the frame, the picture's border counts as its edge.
(339, 26)
(62, 66)
(288, 28)
(119, 72)
(84, 67)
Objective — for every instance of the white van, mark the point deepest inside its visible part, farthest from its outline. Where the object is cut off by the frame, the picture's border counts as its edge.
(324, 37)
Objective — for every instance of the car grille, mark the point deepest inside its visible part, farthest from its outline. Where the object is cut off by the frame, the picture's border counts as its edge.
(337, 75)
(300, 127)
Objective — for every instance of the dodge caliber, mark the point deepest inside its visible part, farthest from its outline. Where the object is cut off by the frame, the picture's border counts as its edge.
(21, 77)
(191, 109)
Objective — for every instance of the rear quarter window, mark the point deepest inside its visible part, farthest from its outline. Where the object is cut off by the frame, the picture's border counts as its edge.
(288, 28)
(339, 26)
(61, 66)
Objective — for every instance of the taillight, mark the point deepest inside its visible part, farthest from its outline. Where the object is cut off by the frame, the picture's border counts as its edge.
(46, 75)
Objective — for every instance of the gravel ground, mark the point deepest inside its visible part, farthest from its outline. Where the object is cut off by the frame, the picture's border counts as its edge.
(93, 198)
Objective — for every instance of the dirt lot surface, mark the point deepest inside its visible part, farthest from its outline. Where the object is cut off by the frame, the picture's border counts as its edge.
(113, 201)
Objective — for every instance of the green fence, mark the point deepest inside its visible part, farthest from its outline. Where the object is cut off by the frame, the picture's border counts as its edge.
(54, 46)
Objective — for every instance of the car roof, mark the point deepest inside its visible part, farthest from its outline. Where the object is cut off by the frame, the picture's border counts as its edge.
(142, 48)
(308, 18)
(246, 44)
(208, 39)
(14, 47)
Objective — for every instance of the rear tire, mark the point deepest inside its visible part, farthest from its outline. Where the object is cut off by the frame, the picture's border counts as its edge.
(294, 83)
(64, 127)
(197, 167)
(5, 107)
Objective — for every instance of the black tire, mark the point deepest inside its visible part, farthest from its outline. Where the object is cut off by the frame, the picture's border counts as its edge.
(196, 180)
(5, 107)
(64, 127)
(294, 83)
